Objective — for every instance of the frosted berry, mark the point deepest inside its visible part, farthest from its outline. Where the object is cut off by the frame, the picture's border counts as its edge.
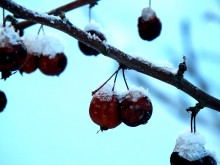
(149, 25)
(13, 52)
(190, 150)
(88, 50)
(104, 110)
(31, 63)
(52, 65)
(3, 101)
(135, 108)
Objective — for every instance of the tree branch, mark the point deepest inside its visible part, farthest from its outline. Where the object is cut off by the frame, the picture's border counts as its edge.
(137, 64)
(65, 8)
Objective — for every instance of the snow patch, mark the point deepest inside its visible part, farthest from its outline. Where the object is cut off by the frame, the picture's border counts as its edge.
(93, 26)
(47, 45)
(8, 34)
(147, 14)
(191, 146)
(134, 93)
(105, 93)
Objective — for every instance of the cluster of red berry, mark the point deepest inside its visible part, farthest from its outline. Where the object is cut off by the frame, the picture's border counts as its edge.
(108, 109)
(46, 53)
(17, 55)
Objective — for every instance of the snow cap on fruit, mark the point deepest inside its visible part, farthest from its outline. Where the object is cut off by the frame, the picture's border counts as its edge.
(9, 34)
(191, 146)
(44, 45)
(105, 93)
(148, 13)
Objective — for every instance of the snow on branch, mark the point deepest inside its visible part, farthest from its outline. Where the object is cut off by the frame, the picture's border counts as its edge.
(130, 62)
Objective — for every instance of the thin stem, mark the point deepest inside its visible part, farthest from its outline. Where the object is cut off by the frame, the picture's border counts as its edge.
(113, 88)
(194, 124)
(149, 3)
(41, 28)
(3, 16)
(106, 81)
(90, 15)
(191, 123)
(123, 73)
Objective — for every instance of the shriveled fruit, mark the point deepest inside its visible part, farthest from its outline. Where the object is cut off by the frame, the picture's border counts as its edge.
(135, 108)
(104, 110)
(88, 50)
(13, 52)
(3, 101)
(31, 63)
(190, 150)
(53, 65)
(149, 25)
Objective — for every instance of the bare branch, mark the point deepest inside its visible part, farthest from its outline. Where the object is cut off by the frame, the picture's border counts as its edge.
(65, 8)
(145, 67)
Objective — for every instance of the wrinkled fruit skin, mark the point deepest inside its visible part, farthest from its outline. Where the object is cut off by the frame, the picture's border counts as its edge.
(31, 63)
(53, 66)
(105, 113)
(88, 50)
(136, 113)
(3, 101)
(149, 30)
(12, 57)
(175, 159)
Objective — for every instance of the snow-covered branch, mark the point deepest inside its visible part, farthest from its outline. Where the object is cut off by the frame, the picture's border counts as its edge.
(130, 62)
(65, 8)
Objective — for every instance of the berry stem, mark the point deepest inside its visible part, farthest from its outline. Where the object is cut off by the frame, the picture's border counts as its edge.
(115, 79)
(123, 73)
(3, 15)
(41, 28)
(106, 81)
(90, 14)
(149, 3)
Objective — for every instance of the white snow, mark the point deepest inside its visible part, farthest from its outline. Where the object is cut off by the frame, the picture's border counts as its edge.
(191, 146)
(10, 34)
(148, 13)
(163, 64)
(134, 93)
(105, 93)
(47, 45)
(93, 25)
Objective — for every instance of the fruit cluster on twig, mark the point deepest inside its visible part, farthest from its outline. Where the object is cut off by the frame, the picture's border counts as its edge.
(108, 108)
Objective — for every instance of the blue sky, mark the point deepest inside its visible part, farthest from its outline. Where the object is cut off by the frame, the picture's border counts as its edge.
(46, 120)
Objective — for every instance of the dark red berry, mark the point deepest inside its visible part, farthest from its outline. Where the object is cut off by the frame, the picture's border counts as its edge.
(31, 63)
(12, 55)
(52, 65)
(104, 110)
(149, 25)
(135, 108)
(88, 50)
(3, 101)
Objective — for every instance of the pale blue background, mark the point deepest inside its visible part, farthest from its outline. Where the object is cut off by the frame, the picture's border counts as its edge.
(46, 121)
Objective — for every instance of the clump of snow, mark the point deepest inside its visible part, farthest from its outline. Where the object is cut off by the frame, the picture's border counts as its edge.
(8, 35)
(191, 146)
(147, 14)
(134, 93)
(163, 64)
(93, 25)
(47, 45)
(105, 93)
